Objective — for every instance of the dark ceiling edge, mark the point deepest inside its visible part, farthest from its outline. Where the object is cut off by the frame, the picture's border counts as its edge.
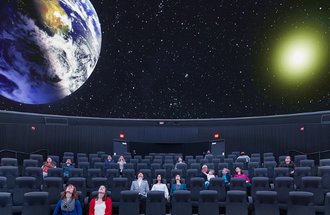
(9, 117)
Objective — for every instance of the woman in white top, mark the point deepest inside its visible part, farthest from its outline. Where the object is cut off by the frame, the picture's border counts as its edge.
(159, 186)
(121, 162)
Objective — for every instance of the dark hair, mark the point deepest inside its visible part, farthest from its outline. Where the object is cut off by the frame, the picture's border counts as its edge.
(74, 193)
(105, 193)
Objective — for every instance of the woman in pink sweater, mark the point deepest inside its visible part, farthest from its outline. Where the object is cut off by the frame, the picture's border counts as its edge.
(240, 174)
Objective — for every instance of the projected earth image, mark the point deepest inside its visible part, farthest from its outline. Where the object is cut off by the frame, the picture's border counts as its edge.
(48, 48)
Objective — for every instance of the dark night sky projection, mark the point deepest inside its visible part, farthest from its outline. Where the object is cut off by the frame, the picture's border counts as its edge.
(204, 59)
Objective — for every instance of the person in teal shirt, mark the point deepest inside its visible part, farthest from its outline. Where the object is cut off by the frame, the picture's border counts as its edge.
(177, 185)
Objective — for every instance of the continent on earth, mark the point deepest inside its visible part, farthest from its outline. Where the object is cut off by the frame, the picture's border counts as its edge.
(53, 16)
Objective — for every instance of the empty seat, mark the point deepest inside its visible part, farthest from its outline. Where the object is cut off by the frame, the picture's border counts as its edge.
(260, 172)
(237, 184)
(30, 162)
(8, 162)
(190, 174)
(251, 167)
(53, 186)
(269, 158)
(92, 173)
(281, 158)
(82, 159)
(324, 172)
(3, 184)
(110, 174)
(36, 203)
(270, 165)
(268, 154)
(259, 184)
(156, 204)
(5, 203)
(100, 165)
(129, 174)
(10, 172)
(283, 185)
(97, 182)
(327, 204)
(325, 162)
(129, 203)
(196, 166)
(236, 203)
(280, 172)
(55, 172)
(196, 185)
(266, 203)
(298, 158)
(181, 203)
(208, 204)
(35, 172)
(300, 172)
(118, 185)
(300, 203)
(255, 159)
(218, 184)
(38, 158)
(313, 184)
(84, 166)
(76, 172)
(22, 185)
(69, 154)
(146, 175)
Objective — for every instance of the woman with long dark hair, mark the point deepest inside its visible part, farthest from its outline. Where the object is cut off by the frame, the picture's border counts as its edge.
(101, 204)
(69, 203)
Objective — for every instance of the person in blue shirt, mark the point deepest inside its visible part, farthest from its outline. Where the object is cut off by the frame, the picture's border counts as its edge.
(66, 169)
(107, 162)
(69, 203)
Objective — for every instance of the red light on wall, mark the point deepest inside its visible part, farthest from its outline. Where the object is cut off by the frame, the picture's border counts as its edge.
(122, 136)
(302, 129)
(216, 136)
(33, 128)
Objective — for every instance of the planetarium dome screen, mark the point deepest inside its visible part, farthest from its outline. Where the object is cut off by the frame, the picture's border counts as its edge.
(164, 59)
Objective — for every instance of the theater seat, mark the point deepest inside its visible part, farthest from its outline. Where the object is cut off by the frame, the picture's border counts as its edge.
(300, 203)
(129, 203)
(181, 203)
(236, 203)
(266, 203)
(5, 203)
(36, 203)
(208, 204)
(156, 204)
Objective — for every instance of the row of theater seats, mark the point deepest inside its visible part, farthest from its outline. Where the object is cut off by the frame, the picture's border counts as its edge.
(236, 203)
(282, 186)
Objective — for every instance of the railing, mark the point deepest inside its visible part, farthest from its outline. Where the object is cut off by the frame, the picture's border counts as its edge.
(312, 155)
(19, 155)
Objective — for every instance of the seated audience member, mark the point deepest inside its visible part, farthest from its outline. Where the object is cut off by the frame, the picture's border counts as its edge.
(69, 203)
(240, 174)
(226, 176)
(159, 186)
(178, 162)
(209, 175)
(177, 185)
(107, 162)
(244, 156)
(66, 169)
(208, 153)
(142, 187)
(47, 165)
(101, 204)
(121, 162)
(288, 163)
(204, 172)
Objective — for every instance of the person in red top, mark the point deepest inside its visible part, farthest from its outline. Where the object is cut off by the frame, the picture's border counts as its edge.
(101, 204)
(47, 165)
(240, 174)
